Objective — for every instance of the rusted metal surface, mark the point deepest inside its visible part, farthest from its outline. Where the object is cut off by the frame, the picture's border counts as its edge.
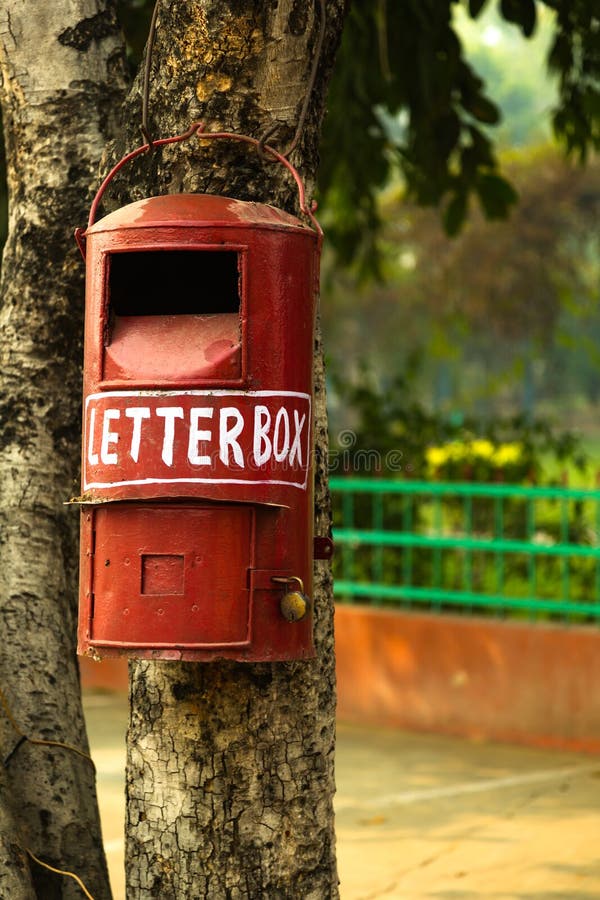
(198, 430)
(323, 547)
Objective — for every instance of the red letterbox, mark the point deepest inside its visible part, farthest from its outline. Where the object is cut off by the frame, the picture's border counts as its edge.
(196, 538)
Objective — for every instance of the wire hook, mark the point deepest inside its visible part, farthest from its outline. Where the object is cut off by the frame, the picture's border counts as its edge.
(146, 83)
(304, 110)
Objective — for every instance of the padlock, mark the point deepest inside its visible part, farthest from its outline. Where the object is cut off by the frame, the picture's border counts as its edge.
(294, 604)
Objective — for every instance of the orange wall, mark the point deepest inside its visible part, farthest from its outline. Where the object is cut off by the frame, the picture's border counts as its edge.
(528, 683)
(103, 674)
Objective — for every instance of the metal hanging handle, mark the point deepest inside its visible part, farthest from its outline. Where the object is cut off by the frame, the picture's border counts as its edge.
(197, 128)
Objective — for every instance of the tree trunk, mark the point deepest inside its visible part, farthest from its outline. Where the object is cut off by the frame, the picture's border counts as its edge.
(230, 773)
(61, 71)
(15, 878)
(230, 766)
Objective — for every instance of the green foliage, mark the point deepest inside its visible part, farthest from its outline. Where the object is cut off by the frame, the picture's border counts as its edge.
(135, 16)
(520, 12)
(443, 151)
(479, 459)
(495, 194)
(575, 57)
(517, 68)
(505, 316)
(392, 428)
(406, 61)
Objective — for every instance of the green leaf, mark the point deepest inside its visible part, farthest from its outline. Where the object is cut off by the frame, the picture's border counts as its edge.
(447, 132)
(482, 109)
(496, 195)
(475, 7)
(560, 57)
(521, 12)
(455, 213)
(482, 146)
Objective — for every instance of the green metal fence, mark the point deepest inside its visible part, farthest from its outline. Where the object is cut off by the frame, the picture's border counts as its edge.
(491, 548)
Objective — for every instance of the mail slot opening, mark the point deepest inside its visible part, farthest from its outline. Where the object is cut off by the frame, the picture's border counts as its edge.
(174, 282)
(173, 316)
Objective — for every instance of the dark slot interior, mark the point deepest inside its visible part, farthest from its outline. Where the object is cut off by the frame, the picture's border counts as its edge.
(174, 282)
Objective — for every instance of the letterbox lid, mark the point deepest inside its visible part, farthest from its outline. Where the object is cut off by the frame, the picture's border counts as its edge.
(189, 210)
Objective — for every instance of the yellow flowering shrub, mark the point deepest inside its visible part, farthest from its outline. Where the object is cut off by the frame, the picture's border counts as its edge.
(478, 459)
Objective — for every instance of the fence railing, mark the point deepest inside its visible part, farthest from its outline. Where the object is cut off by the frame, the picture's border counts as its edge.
(491, 548)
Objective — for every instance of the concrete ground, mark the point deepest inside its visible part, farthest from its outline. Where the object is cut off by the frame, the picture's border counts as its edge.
(425, 816)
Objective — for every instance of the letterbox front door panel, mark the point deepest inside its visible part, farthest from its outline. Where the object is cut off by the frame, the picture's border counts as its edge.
(172, 576)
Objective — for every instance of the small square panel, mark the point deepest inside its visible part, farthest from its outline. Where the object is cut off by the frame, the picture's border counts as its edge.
(162, 574)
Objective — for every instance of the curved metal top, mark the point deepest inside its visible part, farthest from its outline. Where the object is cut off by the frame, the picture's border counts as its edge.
(197, 210)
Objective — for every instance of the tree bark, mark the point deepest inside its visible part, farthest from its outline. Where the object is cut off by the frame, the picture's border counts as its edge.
(230, 766)
(230, 772)
(15, 878)
(62, 72)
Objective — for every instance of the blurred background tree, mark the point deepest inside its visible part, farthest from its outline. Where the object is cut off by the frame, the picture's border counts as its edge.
(496, 327)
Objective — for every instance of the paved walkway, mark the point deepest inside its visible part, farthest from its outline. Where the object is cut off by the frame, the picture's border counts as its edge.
(423, 816)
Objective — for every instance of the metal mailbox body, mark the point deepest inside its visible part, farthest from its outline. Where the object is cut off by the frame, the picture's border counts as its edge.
(197, 430)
